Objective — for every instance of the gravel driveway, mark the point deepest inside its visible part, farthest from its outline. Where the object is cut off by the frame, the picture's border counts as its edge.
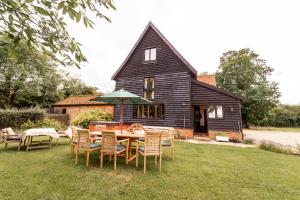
(284, 138)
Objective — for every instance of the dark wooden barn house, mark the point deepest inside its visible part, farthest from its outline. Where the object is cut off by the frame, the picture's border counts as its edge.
(155, 70)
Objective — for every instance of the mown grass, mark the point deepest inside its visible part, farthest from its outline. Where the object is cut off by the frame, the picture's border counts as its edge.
(198, 172)
(284, 129)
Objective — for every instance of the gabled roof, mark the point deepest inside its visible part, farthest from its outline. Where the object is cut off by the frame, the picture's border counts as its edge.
(217, 89)
(79, 100)
(150, 24)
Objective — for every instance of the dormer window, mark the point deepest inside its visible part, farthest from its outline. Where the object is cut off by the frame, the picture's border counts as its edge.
(150, 54)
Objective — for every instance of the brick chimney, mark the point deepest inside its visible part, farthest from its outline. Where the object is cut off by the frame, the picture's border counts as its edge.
(208, 79)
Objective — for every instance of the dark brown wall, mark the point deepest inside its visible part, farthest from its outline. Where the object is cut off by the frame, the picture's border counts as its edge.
(171, 89)
(231, 119)
(166, 61)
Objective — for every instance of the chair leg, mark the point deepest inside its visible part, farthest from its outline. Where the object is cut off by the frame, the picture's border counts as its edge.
(137, 159)
(87, 158)
(20, 143)
(72, 151)
(155, 160)
(115, 162)
(160, 162)
(101, 160)
(127, 155)
(76, 159)
(173, 155)
(145, 161)
(109, 157)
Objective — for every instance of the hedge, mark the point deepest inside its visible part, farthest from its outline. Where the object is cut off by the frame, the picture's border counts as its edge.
(16, 117)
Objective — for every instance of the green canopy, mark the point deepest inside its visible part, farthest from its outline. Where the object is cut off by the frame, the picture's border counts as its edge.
(122, 97)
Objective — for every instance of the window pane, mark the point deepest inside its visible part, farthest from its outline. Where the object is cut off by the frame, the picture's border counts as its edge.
(145, 111)
(146, 80)
(135, 111)
(219, 111)
(151, 83)
(151, 111)
(152, 94)
(211, 112)
(153, 54)
(147, 54)
(140, 112)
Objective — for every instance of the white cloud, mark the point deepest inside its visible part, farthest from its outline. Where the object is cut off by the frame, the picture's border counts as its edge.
(201, 31)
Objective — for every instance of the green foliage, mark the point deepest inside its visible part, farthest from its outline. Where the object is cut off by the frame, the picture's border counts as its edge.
(74, 86)
(42, 24)
(84, 118)
(45, 123)
(274, 147)
(282, 116)
(16, 117)
(244, 73)
(31, 79)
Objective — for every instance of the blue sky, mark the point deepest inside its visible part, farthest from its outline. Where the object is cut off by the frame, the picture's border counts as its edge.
(201, 31)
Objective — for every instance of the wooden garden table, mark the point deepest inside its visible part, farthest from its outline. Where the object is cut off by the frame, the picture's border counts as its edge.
(34, 132)
(125, 134)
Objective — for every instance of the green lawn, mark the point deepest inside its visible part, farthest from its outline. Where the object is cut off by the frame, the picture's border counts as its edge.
(285, 129)
(199, 172)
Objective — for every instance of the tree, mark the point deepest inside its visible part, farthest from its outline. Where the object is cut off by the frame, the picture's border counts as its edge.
(30, 79)
(244, 73)
(42, 25)
(74, 86)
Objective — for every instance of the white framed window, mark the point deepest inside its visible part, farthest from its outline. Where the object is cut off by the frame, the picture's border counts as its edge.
(149, 88)
(150, 54)
(219, 110)
(215, 112)
(211, 112)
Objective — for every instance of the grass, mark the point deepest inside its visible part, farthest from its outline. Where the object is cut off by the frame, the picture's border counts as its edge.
(284, 129)
(198, 172)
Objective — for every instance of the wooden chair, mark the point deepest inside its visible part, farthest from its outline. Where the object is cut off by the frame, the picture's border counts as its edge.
(73, 140)
(136, 129)
(8, 136)
(167, 140)
(112, 146)
(85, 144)
(150, 147)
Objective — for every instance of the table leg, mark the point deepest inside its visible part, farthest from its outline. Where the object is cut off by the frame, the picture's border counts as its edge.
(28, 142)
(50, 142)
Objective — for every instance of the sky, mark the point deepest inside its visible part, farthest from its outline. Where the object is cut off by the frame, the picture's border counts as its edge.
(201, 31)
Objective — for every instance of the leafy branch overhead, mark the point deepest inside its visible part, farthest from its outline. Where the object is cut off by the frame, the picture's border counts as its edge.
(42, 25)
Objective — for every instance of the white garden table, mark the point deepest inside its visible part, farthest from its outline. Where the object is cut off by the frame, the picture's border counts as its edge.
(35, 132)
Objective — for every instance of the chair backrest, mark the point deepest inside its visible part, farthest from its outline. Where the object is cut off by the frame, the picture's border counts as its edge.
(83, 138)
(1, 136)
(74, 133)
(152, 143)
(8, 131)
(109, 142)
(136, 128)
(100, 127)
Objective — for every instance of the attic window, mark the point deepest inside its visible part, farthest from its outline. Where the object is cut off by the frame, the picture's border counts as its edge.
(150, 54)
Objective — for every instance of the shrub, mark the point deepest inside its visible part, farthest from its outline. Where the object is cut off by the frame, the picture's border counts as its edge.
(274, 147)
(248, 141)
(16, 117)
(84, 118)
(45, 123)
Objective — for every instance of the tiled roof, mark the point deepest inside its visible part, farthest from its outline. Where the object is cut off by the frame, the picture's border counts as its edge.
(209, 79)
(79, 100)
